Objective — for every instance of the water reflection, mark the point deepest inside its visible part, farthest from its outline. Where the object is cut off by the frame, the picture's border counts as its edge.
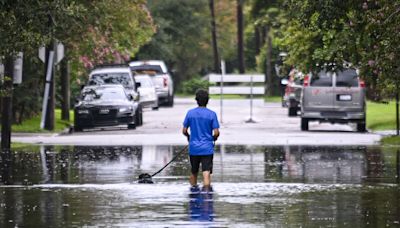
(279, 186)
(123, 164)
(201, 205)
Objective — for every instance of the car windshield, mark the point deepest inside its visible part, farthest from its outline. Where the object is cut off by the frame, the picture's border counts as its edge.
(145, 82)
(111, 78)
(147, 69)
(322, 79)
(347, 78)
(102, 94)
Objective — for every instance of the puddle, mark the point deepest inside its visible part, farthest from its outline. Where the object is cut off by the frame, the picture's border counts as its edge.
(253, 186)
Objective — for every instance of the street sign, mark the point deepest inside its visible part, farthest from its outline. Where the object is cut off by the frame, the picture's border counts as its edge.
(42, 53)
(59, 53)
(1, 71)
(18, 65)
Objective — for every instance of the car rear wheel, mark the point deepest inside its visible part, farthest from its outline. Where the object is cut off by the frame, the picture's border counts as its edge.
(361, 127)
(131, 126)
(170, 100)
(78, 129)
(292, 111)
(304, 124)
(155, 106)
(139, 116)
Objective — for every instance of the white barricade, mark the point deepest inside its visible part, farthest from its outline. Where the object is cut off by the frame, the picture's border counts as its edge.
(240, 89)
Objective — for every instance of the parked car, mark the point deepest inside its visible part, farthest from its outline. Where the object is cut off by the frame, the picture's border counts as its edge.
(162, 79)
(335, 97)
(292, 96)
(104, 105)
(147, 91)
(118, 74)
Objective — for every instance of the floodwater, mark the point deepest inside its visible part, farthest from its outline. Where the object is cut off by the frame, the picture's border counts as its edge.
(253, 186)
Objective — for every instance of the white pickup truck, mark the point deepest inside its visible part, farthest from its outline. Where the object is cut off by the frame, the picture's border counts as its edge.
(161, 78)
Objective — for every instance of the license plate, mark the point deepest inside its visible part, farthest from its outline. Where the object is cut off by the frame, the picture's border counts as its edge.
(345, 97)
(104, 111)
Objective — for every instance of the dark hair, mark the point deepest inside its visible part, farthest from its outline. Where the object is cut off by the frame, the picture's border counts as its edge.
(202, 97)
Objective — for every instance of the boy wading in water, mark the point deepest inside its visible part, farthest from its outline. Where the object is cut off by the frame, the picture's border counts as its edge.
(204, 130)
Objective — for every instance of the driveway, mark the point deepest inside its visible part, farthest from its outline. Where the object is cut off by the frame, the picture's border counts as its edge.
(163, 127)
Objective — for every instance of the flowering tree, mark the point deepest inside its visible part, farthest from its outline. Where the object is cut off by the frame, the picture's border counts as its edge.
(361, 32)
(113, 32)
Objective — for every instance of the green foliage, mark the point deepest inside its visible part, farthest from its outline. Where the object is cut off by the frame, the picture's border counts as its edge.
(27, 101)
(113, 31)
(190, 86)
(182, 38)
(92, 32)
(33, 124)
(364, 33)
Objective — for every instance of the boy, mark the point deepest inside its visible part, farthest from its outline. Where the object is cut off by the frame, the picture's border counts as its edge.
(204, 130)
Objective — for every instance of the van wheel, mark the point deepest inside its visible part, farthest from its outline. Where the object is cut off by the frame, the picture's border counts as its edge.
(292, 111)
(361, 127)
(304, 124)
(131, 126)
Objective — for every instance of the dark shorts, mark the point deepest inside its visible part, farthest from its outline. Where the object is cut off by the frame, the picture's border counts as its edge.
(205, 160)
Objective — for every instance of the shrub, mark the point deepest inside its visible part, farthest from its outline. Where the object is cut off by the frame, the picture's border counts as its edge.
(190, 86)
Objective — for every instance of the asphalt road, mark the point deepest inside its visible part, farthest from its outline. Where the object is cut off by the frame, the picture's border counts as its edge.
(163, 127)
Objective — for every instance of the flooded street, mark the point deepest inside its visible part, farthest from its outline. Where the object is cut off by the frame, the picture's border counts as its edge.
(253, 186)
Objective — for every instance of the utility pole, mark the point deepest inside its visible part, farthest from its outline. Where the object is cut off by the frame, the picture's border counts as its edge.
(240, 36)
(49, 120)
(6, 114)
(268, 64)
(65, 87)
(49, 80)
(217, 68)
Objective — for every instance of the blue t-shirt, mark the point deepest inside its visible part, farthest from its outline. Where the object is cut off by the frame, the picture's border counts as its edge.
(201, 121)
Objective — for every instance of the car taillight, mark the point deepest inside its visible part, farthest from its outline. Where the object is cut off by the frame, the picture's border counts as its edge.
(362, 83)
(289, 89)
(165, 81)
(306, 81)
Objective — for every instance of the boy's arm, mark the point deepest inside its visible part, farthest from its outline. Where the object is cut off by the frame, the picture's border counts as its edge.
(216, 134)
(185, 132)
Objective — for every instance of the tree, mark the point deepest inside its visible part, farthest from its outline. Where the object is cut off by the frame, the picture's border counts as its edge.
(240, 43)
(21, 29)
(182, 39)
(363, 33)
(214, 38)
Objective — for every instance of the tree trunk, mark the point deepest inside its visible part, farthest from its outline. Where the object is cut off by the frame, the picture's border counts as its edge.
(240, 36)
(217, 67)
(268, 67)
(397, 110)
(65, 88)
(6, 116)
(21, 113)
(257, 39)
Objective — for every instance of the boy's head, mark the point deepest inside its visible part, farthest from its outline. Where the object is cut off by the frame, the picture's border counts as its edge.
(202, 97)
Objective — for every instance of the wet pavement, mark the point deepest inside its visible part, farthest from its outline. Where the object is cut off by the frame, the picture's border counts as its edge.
(253, 186)
(163, 127)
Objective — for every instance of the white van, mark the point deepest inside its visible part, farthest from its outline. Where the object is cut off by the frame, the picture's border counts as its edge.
(335, 97)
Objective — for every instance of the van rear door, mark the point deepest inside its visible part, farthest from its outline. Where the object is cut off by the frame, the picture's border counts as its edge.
(318, 95)
(349, 96)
